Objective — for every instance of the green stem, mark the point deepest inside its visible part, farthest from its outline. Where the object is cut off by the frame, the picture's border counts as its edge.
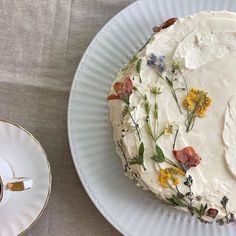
(226, 215)
(139, 92)
(172, 91)
(191, 118)
(155, 115)
(144, 167)
(176, 134)
(159, 136)
(170, 162)
(185, 82)
(149, 128)
(135, 125)
(187, 90)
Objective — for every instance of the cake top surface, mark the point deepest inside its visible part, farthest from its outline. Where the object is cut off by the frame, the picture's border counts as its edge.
(173, 110)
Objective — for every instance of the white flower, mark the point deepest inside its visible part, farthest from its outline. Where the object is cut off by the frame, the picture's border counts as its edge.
(170, 128)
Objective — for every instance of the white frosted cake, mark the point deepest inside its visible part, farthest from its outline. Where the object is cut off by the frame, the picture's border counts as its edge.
(173, 111)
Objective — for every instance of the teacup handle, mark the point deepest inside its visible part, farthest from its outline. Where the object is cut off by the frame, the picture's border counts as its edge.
(19, 184)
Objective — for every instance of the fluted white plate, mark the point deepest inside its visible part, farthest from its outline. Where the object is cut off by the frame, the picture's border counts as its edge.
(131, 210)
(27, 158)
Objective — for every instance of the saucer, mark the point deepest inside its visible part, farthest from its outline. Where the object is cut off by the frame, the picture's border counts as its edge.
(26, 157)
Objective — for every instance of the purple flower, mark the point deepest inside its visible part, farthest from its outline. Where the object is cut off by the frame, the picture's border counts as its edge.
(157, 62)
(162, 58)
(161, 67)
(152, 60)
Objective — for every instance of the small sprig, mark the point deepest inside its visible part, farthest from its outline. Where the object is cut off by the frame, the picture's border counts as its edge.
(201, 211)
(136, 125)
(176, 201)
(158, 65)
(224, 202)
(147, 109)
(152, 110)
(159, 157)
(189, 194)
(175, 138)
(139, 159)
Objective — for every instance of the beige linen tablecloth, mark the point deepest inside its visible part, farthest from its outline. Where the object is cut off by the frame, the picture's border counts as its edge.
(41, 43)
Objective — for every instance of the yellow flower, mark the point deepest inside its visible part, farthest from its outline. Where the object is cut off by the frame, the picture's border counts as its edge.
(176, 181)
(197, 101)
(168, 177)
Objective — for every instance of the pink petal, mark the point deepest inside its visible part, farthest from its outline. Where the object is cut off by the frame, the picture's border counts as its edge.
(128, 86)
(212, 212)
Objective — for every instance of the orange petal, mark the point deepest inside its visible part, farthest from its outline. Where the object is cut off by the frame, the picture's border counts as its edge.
(118, 87)
(113, 97)
(169, 22)
(156, 29)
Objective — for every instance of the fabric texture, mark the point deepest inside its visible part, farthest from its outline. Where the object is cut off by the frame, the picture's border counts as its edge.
(41, 43)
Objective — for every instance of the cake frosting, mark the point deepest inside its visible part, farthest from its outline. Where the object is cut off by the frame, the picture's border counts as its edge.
(173, 111)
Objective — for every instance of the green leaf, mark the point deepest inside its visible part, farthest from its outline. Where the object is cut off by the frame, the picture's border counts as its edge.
(157, 159)
(159, 155)
(202, 210)
(138, 160)
(146, 105)
(138, 65)
(131, 63)
(141, 150)
(125, 98)
(169, 81)
(174, 200)
(134, 59)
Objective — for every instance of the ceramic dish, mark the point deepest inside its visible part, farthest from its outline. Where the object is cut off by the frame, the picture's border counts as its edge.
(26, 157)
(131, 210)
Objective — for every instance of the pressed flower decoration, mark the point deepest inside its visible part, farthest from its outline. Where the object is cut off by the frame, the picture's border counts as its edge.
(196, 103)
(169, 177)
(122, 90)
(212, 212)
(187, 157)
(157, 62)
(166, 24)
(170, 129)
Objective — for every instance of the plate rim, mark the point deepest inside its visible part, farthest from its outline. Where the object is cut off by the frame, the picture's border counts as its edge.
(49, 171)
(83, 181)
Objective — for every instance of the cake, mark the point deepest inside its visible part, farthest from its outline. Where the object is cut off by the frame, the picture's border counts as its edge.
(173, 112)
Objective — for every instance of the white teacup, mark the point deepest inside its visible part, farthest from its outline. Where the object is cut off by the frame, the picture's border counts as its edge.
(8, 183)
